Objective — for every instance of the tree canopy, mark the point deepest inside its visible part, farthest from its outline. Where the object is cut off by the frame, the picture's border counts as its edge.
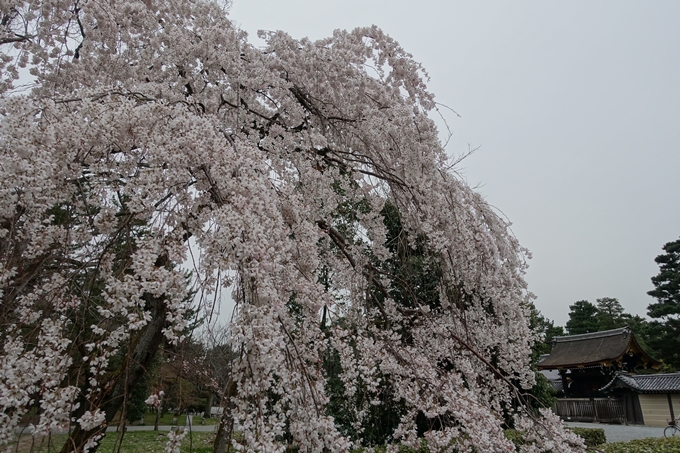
(609, 313)
(152, 136)
(666, 311)
(582, 318)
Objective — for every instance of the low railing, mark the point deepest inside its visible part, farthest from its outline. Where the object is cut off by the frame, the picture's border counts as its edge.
(605, 410)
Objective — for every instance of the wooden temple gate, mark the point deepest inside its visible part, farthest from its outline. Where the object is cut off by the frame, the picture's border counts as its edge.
(587, 365)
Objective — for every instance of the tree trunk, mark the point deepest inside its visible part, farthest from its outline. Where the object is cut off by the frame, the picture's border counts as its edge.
(208, 405)
(226, 427)
(139, 361)
(158, 416)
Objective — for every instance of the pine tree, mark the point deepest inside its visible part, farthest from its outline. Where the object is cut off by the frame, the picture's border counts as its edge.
(665, 329)
(609, 313)
(582, 318)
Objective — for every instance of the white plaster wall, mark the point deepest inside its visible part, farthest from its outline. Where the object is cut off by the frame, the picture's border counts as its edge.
(655, 410)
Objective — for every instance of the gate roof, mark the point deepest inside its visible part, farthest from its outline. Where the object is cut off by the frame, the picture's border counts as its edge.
(597, 348)
(645, 383)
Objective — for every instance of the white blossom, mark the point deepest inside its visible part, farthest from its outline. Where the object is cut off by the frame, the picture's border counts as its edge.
(175, 441)
(153, 132)
(91, 420)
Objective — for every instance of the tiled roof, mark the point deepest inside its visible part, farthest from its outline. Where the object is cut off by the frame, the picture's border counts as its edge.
(588, 349)
(645, 383)
(551, 375)
(554, 378)
(594, 335)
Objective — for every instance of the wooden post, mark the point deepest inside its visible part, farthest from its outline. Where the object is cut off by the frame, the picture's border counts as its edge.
(670, 406)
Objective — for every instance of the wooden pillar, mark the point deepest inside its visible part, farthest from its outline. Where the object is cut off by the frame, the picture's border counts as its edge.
(565, 389)
(670, 406)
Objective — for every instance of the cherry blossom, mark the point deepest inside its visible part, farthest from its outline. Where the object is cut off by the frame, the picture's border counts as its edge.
(152, 134)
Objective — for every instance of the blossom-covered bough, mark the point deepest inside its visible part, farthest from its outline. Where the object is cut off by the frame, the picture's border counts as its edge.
(150, 133)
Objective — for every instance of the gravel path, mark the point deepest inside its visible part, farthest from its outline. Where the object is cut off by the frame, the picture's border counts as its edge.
(622, 433)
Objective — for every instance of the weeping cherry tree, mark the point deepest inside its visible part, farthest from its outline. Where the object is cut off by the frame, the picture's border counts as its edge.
(141, 135)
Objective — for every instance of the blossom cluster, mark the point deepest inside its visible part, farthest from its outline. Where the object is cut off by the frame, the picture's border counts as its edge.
(154, 130)
(155, 400)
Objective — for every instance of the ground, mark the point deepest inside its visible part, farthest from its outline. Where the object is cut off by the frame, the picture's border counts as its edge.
(622, 433)
(133, 442)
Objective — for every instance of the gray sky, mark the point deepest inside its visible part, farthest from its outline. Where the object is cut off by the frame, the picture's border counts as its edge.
(575, 105)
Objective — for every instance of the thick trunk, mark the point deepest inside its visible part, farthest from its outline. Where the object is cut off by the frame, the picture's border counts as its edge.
(226, 427)
(138, 362)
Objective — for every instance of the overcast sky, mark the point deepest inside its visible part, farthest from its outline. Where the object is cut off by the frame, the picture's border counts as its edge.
(576, 108)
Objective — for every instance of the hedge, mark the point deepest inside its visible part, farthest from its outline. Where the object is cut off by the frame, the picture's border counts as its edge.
(651, 445)
(592, 436)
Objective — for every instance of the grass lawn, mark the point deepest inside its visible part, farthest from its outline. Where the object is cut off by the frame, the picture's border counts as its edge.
(133, 442)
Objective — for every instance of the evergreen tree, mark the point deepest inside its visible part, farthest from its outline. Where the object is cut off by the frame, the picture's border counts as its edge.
(609, 314)
(136, 404)
(547, 329)
(665, 330)
(542, 393)
(582, 318)
(642, 329)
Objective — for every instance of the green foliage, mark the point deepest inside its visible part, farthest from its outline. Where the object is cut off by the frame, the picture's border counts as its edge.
(415, 280)
(651, 445)
(547, 329)
(642, 330)
(542, 393)
(380, 420)
(592, 436)
(136, 407)
(609, 313)
(667, 282)
(665, 330)
(412, 277)
(582, 318)
(552, 332)
(516, 437)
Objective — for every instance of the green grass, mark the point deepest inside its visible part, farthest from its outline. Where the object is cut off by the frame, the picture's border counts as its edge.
(133, 442)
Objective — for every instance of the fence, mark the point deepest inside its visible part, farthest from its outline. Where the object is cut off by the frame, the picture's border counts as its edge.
(605, 410)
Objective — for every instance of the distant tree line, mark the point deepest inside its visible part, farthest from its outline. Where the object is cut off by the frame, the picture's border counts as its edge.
(659, 336)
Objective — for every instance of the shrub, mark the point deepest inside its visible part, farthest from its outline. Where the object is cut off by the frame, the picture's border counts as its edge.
(592, 436)
(514, 436)
(643, 445)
